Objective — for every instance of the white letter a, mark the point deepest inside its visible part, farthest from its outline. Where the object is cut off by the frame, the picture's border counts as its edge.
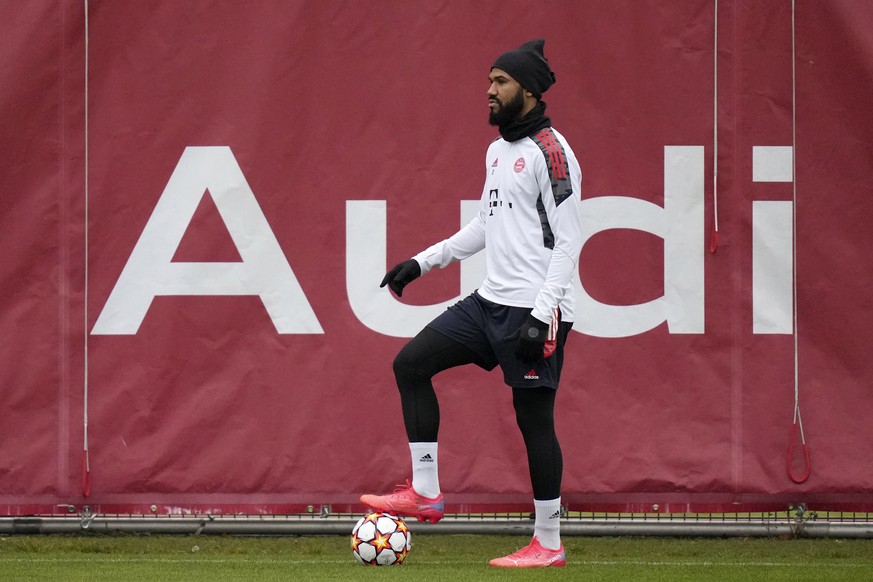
(150, 270)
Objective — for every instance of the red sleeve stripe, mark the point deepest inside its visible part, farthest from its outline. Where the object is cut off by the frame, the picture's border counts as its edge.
(555, 153)
(556, 161)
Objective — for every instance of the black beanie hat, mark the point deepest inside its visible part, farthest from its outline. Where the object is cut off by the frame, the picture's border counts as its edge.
(528, 65)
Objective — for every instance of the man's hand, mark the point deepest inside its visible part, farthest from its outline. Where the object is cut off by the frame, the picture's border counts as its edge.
(401, 275)
(530, 340)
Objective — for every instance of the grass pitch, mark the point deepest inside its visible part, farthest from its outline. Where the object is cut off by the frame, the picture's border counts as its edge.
(433, 557)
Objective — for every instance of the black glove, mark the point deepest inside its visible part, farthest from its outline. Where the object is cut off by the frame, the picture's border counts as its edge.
(530, 340)
(401, 275)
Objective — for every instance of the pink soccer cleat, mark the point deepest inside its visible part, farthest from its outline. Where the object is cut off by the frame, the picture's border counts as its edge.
(405, 501)
(532, 556)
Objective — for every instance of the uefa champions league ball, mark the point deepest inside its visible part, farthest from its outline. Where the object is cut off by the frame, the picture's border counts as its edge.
(380, 539)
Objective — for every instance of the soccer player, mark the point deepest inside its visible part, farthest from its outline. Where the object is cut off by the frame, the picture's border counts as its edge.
(529, 224)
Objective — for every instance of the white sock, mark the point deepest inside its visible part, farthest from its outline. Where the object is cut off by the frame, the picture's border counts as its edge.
(547, 523)
(425, 475)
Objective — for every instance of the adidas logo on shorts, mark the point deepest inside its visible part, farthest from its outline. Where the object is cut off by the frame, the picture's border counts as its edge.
(532, 375)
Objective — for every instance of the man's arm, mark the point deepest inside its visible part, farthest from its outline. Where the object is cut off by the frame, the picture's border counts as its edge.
(466, 242)
(560, 180)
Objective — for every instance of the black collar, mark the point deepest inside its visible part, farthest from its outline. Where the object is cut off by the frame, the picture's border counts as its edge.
(528, 125)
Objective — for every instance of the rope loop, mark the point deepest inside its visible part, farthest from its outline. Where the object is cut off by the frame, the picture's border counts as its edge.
(792, 446)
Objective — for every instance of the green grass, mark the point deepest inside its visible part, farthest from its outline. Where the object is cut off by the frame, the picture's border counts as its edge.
(456, 558)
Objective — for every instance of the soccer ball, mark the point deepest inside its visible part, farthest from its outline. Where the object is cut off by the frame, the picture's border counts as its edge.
(380, 539)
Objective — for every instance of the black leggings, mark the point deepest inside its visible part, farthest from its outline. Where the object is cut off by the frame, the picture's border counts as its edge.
(431, 352)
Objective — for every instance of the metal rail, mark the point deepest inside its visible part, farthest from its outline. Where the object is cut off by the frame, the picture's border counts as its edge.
(291, 525)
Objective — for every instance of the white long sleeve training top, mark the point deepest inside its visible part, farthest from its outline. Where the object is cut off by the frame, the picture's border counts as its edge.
(529, 223)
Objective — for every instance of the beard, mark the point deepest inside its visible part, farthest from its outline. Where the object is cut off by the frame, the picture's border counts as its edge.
(507, 112)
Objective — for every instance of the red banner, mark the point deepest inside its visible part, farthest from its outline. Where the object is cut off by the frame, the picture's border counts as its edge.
(201, 200)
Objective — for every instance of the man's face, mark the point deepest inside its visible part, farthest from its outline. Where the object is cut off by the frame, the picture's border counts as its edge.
(505, 98)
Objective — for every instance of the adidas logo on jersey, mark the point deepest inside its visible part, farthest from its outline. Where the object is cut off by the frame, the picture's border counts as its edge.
(532, 375)
(426, 459)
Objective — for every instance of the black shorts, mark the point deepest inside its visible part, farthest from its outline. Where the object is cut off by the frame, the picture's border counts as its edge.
(483, 326)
